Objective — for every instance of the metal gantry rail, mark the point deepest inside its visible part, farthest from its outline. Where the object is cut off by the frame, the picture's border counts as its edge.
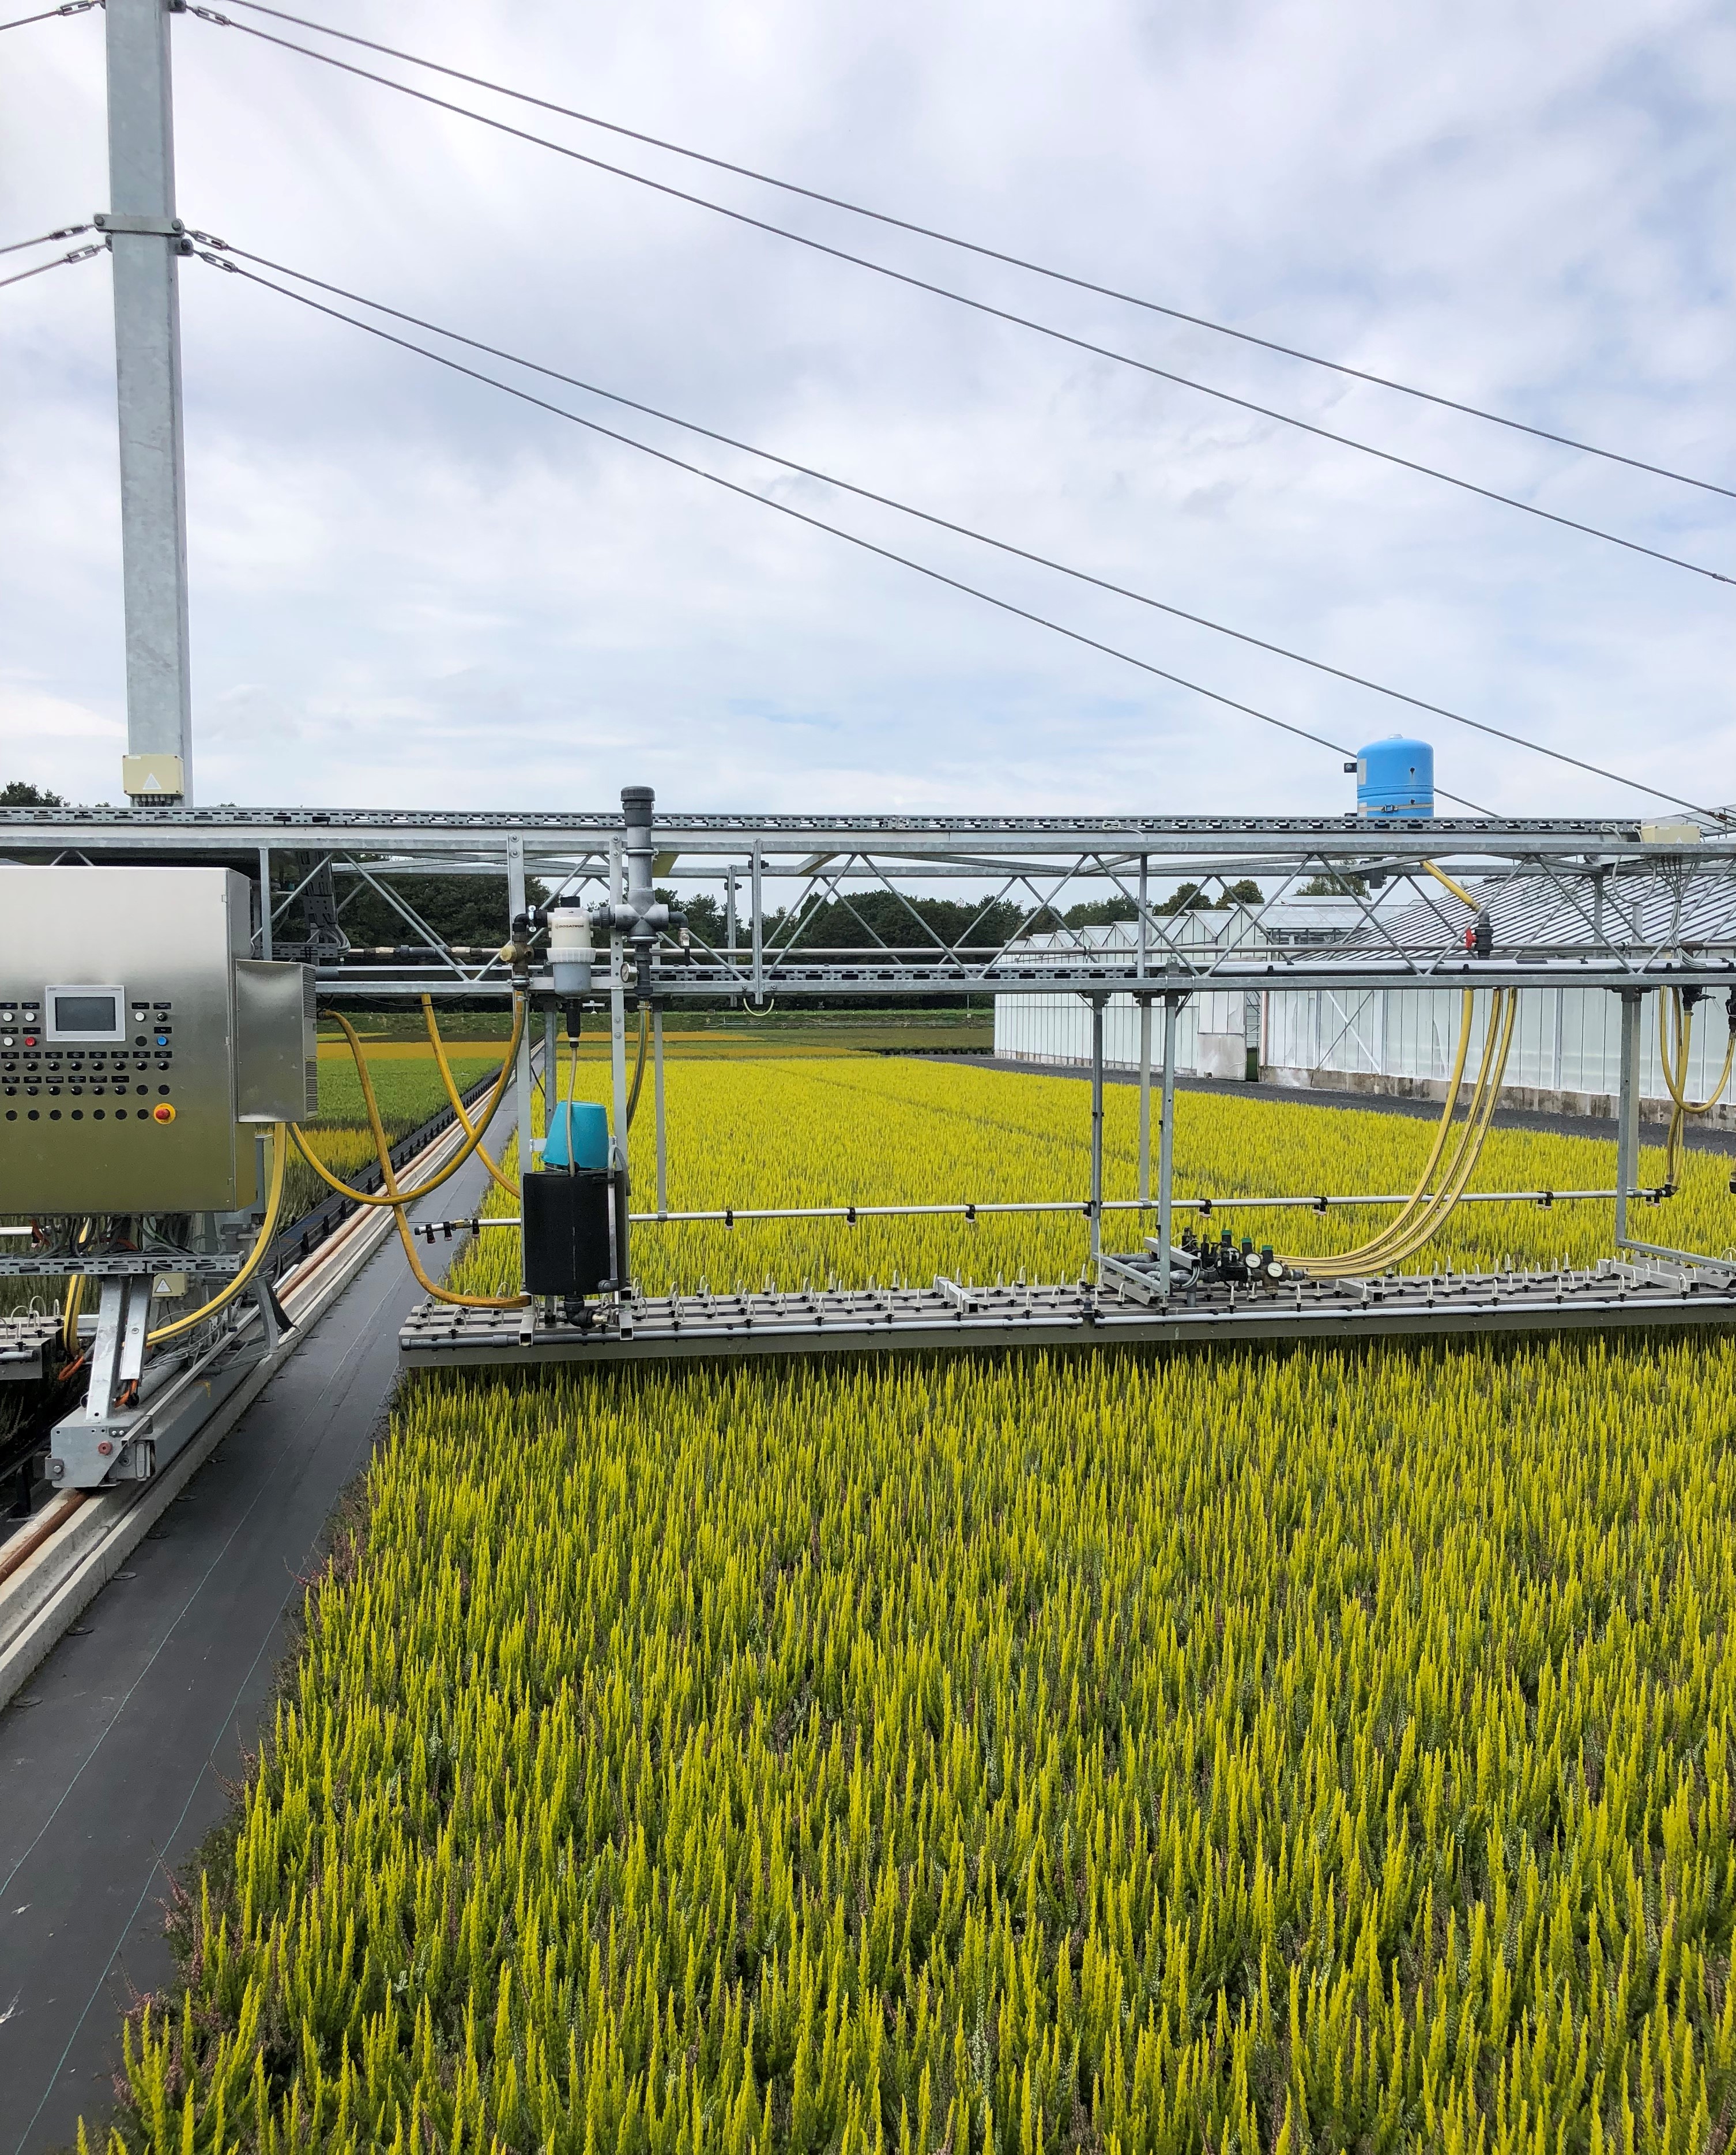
(1610, 903)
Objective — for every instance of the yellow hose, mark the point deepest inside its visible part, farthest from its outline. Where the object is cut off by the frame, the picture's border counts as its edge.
(1425, 1230)
(1405, 1234)
(475, 1131)
(1458, 889)
(398, 1198)
(1675, 1040)
(453, 1094)
(70, 1307)
(273, 1201)
(1449, 1107)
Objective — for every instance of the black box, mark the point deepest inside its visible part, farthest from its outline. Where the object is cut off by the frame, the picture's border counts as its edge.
(566, 1233)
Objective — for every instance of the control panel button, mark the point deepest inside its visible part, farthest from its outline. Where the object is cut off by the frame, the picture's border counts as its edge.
(162, 1113)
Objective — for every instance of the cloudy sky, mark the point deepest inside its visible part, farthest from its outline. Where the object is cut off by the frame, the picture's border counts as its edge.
(408, 590)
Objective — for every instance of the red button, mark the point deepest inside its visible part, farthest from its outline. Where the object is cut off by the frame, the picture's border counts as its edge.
(163, 1113)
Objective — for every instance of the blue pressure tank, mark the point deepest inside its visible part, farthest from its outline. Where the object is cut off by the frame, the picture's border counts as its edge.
(578, 1135)
(1396, 777)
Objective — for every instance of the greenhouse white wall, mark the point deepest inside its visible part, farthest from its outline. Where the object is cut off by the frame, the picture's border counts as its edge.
(1565, 1055)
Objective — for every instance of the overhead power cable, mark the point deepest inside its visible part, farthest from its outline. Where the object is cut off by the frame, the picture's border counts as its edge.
(59, 262)
(42, 238)
(906, 508)
(963, 300)
(783, 507)
(886, 553)
(71, 7)
(988, 254)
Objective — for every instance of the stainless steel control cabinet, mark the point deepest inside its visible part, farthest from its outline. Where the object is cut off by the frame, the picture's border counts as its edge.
(140, 1048)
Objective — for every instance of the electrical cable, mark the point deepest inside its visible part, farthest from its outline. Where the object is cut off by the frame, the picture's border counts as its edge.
(864, 494)
(801, 516)
(936, 575)
(71, 7)
(59, 262)
(991, 253)
(255, 1256)
(978, 306)
(43, 238)
(633, 1098)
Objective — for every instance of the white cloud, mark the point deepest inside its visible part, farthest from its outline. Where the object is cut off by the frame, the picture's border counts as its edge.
(409, 590)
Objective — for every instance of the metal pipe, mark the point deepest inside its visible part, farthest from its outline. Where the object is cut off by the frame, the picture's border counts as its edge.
(1145, 1004)
(734, 1215)
(617, 1066)
(516, 904)
(264, 901)
(1097, 1004)
(656, 1095)
(145, 240)
(1627, 1111)
(758, 927)
(1166, 1146)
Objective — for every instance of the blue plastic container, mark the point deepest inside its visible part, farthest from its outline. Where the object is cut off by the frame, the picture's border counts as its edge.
(578, 1135)
(1396, 777)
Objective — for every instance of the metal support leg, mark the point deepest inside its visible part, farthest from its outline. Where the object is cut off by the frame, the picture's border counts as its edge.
(264, 901)
(117, 1353)
(515, 903)
(657, 1088)
(1097, 1006)
(617, 1067)
(1167, 1142)
(758, 932)
(1628, 1112)
(729, 916)
(1144, 1099)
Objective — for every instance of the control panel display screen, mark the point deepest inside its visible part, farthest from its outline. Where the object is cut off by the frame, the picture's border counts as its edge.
(86, 1014)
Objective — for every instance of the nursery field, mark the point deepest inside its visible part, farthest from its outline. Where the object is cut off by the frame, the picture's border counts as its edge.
(1259, 1751)
(873, 1131)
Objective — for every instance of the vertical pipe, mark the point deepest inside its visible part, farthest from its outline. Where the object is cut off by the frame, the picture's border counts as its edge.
(1166, 1144)
(1144, 1038)
(1627, 1111)
(758, 928)
(1097, 1008)
(146, 247)
(264, 901)
(516, 902)
(617, 1066)
(550, 1068)
(657, 1078)
(730, 915)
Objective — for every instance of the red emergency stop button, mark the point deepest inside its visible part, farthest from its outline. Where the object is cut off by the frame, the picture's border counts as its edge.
(162, 1113)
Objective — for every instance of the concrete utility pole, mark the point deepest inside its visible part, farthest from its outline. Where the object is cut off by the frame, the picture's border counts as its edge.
(146, 237)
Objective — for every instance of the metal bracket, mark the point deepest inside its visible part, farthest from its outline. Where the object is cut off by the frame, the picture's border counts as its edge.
(120, 220)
